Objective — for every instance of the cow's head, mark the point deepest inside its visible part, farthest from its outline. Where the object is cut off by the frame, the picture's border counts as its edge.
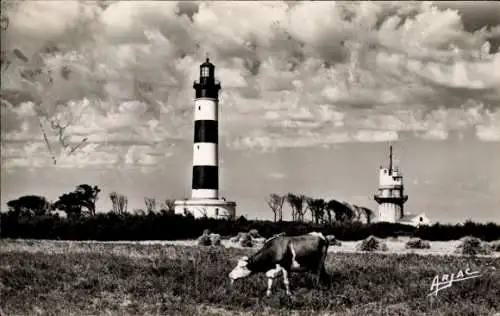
(241, 270)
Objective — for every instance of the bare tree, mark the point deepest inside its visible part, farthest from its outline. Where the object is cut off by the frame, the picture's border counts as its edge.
(168, 206)
(341, 211)
(120, 203)
(297, 203)
(317, 207)
(150, 204)
(368, 214)
(275, 202)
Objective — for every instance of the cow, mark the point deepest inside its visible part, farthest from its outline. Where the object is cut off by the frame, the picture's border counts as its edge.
(282, 255)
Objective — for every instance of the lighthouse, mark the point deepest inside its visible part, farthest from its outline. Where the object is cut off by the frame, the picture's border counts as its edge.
(205, 201)
(390, 195)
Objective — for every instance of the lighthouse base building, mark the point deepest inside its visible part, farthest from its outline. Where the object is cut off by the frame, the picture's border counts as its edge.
(220, 209)
(205, 201)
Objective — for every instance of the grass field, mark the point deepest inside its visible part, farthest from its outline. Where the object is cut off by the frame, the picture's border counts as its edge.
(73, 278)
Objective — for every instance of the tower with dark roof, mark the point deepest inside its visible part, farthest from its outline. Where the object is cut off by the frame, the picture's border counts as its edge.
(205, 199)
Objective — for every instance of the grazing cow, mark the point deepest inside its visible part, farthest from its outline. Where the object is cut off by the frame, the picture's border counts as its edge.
(284, 254)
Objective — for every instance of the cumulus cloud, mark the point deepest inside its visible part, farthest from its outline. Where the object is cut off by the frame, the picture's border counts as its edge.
(120, 74)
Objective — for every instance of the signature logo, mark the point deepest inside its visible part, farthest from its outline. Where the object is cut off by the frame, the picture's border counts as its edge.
(447, 280)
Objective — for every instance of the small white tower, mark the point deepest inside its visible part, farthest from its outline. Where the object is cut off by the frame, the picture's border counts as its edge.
(205, 179)
(390, 195)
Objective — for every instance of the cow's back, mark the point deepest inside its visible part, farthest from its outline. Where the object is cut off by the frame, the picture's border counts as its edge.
(308, 249)
(272, 252)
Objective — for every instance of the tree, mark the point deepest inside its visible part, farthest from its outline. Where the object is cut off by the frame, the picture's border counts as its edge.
(317, 207)
(368, 214)
(275, 202)
(150, 204)
(297, 203)
(341, 210)
(29, 205)
(71, 203)
(329, 209)
(120, 203)
(168, 206)
(89, 196)
(84, 196)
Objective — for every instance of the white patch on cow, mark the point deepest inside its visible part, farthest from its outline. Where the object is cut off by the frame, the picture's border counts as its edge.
(295, 264)
(242, 262)
(320, 235)
(274, 273)
(241, 270)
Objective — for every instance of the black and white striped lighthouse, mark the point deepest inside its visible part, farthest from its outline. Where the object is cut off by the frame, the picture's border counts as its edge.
(205, 200)
(205, 184)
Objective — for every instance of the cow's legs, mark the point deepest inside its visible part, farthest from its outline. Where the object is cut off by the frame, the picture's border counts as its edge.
(274, 273)
(269, 286)
(321, 268)
(271, 275)
(286, 281)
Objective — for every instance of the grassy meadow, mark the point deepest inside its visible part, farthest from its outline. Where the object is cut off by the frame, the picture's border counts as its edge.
(80, 278)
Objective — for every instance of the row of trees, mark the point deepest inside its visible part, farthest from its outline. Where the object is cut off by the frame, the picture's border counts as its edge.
(321, 210)
(81, 202)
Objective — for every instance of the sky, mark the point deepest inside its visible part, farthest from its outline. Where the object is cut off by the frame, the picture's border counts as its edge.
(313, 94)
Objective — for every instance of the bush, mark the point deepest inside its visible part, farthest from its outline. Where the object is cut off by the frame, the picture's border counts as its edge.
(245, 240)
(204, 240)
(495, 245)
(248, 239)
(417, 243)
(371, 244)
(215, 240)
(236, 238)
(254, 233)
(473, 246)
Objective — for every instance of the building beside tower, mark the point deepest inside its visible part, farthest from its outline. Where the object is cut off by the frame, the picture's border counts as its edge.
(205, 201)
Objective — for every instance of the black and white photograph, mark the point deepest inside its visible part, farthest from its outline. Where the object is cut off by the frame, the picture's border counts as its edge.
(250, 158)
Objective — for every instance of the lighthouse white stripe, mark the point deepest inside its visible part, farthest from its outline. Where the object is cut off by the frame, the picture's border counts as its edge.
(205, 194)
(205, 109)
(205, 154)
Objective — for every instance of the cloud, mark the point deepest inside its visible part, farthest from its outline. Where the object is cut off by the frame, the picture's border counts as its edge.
(307, 74)
(277, 175)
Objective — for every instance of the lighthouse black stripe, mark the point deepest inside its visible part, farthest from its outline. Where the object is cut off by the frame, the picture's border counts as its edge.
(206, 131)
(207, 90)
(205, 177)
